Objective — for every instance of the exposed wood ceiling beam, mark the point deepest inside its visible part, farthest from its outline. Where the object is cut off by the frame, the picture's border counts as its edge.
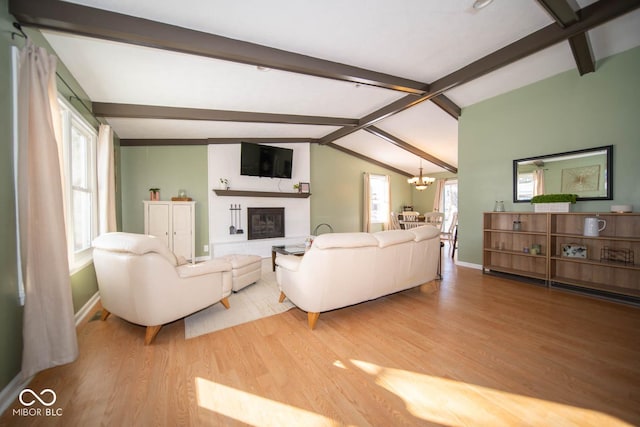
(78, 19)
(582, 53)
(447, 105)
(564, 14)
(103, 109)
(591, 16)
(98, 23)
(410, 148)
(92, 22)
(368, 159)
(128, 142)
(133, 142)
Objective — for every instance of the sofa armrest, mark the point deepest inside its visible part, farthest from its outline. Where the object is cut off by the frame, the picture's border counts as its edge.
(207, 267)
(288, 262)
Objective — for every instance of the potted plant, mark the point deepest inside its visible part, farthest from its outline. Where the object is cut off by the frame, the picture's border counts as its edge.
(296, 187)
(553, 202)
(154, 194)
(224, 184)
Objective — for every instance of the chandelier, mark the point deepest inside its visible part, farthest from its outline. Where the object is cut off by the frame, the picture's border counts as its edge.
(421, 182)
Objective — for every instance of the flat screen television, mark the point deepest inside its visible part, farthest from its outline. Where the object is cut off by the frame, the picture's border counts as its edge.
(265, 160)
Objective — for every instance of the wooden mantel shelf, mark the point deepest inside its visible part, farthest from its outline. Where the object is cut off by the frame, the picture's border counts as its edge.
(241, 193)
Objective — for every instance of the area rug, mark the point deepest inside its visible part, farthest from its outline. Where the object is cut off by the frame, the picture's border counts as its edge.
(251, 303)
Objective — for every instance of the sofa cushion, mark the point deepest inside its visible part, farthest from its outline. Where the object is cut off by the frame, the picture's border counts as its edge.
(240, 260)
(424, 232)
(344, 240)
(207, 267)
(138, 244)
(393, 237)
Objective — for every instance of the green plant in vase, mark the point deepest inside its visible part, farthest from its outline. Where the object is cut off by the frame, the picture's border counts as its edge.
(154, 194)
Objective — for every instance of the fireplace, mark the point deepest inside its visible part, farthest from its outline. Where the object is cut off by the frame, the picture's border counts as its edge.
(265, 223)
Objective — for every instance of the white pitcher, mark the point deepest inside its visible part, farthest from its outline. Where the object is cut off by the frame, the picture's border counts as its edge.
(593, 226)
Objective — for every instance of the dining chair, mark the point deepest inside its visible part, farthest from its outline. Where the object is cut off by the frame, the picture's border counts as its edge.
(394, 224)
(450, 233)
(434, 218)
(410, 220)
(410, 216)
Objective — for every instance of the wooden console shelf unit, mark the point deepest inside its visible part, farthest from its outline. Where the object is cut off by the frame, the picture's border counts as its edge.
(241, 193)
(503, 250)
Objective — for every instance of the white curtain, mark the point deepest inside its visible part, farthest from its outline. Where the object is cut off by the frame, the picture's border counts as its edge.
(437, 199)
(386, 224)
(366, 204)
(49, 335)
(538, 182)
(106, 181)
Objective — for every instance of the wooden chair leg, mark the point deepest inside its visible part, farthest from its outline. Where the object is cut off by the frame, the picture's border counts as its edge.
(225, 301)
(312, 319)
(151, 333)
(282, 296)
(105, 314)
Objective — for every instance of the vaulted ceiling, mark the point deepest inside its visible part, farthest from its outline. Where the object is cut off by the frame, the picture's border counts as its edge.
(385, 80)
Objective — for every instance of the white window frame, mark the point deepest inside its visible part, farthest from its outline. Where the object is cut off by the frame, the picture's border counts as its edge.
(448, 206)
(15, 61)
(379, 203)
(71, 118)
(526, 186)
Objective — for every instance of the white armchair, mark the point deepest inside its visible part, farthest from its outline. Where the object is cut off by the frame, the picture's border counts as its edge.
(139, 280)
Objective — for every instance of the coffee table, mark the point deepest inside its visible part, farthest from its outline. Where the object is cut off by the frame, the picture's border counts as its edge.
(297, 250)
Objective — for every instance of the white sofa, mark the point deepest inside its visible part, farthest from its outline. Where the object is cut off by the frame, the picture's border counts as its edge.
(139, 280)
(342, 269)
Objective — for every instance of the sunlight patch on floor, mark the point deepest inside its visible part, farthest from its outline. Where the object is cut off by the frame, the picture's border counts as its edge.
(456, 403)
(252, 409)
(339, 364)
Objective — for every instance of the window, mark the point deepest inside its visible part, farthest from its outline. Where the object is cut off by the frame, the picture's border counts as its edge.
(79, 142)
(525, 186)
(449, 201)
(15, 61)
(379, 196)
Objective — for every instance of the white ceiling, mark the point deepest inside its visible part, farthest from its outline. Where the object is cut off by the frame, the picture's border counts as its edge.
(422, 40)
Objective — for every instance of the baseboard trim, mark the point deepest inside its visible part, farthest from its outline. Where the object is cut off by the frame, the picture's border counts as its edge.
(9, 394)
(86, 309)
(469, 264)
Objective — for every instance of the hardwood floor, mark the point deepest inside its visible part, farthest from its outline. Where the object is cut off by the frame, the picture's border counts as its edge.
(480, 350)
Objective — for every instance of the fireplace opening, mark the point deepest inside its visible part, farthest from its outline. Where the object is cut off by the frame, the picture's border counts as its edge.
(265, 223)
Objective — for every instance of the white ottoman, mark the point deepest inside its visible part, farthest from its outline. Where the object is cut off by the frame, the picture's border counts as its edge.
(247, 269)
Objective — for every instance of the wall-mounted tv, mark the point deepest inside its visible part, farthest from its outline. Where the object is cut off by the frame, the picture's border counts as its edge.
(265, 160)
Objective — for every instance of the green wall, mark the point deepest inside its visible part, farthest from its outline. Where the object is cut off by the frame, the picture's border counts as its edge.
(336, 187)
(83, 283)
(169, 168)
(10, 309)
(562, 113)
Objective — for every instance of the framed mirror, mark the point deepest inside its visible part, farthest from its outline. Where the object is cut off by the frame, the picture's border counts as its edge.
(586, 173)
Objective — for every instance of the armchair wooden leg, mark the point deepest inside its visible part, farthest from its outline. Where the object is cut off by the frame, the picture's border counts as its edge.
(312, 318)
(225, 301)
(105, 314)
(282, 296)
(151, 333)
